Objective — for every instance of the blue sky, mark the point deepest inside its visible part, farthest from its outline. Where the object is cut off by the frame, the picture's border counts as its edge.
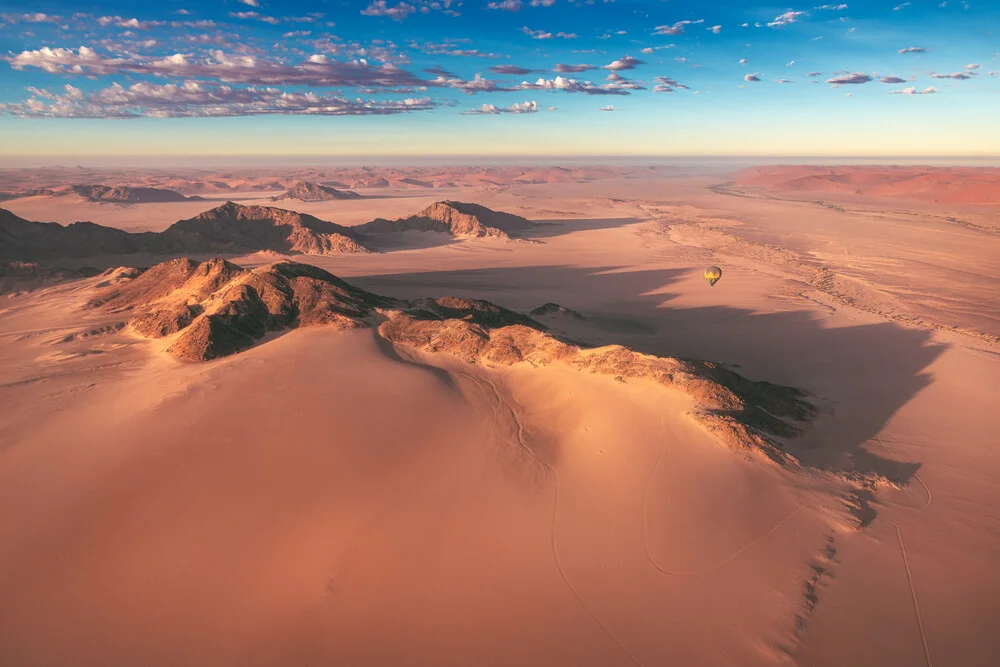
(501, 77)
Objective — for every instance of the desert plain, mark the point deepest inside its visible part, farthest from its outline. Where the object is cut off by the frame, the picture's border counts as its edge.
(433, 434)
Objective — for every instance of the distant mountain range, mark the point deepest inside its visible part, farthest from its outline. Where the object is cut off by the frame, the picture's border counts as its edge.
(234, 228)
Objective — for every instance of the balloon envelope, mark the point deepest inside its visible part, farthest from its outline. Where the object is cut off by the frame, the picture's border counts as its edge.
(712, 275)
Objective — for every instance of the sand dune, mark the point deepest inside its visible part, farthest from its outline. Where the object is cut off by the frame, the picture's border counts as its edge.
(471, 477)
(938, 184)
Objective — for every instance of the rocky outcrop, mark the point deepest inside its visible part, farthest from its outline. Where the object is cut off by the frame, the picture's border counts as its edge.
(371, 182)
(457, 219)
(306, 191)
(236, 228)
(125, 194)
(215, 308)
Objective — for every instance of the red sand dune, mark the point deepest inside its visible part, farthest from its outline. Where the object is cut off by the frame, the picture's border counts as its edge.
(953, 185)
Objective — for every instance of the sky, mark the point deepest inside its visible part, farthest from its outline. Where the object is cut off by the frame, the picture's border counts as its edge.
(498, 78)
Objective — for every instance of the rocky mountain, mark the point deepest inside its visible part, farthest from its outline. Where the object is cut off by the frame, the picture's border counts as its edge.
(458, 219)
(306, 191)
(42, 241)
(129, 195)
(236, 228)
(371, 182)
(230, 228)
(215, 308)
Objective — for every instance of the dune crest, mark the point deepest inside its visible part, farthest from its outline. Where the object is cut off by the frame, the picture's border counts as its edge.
(217, 309)
(126, 194)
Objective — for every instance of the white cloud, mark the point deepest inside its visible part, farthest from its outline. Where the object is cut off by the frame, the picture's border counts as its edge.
(192, 99)
(913, 49)
(849, 78)
(785, 19)
(516, 108)
(626, 63)
(610, 107)
(913, 91)
(752, 77)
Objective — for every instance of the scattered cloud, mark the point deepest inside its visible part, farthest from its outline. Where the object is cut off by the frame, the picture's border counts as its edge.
(573, 86)
(506, 5)
(191, 99)
(892, 79)
(961, 76)
(752, 77)
(610, 107)
(850, 79)
(493, 110)
(511, 69)
(317, 70)
(675, 28)
(901, 7)
(835, 8)
(785, 19)
(563, 68)
(913, 49)
(541, 34)
(715, 29)
(626, 63)
(913, 91)
(397, 12)
(664, 84)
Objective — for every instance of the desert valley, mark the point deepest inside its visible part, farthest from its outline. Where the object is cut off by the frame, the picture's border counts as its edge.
(496, 416)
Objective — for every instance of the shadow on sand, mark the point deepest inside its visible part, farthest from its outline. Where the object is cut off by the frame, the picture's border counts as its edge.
(859, 376)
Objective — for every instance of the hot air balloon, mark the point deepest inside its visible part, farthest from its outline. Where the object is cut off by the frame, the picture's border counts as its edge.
(712, 275)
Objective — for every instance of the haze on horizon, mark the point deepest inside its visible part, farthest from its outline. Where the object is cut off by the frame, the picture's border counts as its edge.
(508, 78)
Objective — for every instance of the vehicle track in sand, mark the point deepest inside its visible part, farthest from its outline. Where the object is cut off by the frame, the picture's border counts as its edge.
(906, 560)
(717, 566)
(512, 409)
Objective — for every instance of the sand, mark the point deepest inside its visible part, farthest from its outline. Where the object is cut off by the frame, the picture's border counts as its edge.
(325, 498)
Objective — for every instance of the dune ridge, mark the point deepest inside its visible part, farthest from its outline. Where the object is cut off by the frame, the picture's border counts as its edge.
(126, 194)
(215, 309)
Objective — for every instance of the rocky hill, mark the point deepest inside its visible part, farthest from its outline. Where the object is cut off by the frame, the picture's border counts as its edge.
(371, 182)
(236, 228)
(125, 194)
(230, 228)
(215, 308)
(306, 191)
(455, 218)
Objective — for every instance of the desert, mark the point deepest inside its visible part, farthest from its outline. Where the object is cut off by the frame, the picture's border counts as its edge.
(510, 425)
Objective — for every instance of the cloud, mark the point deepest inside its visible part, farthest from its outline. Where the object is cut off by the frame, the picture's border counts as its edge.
(132, 24)
(254, 16)
(506, 5)
(542, 3)
(676, 28)
(648, 51)
(610, 107)
(835, 8)
(743, 61)
(892, 79)
(851, 78)
(562, 68)
(397, 12)
(196, 100)
(901, 7)
(626, 63)
(973, 66)
(960, 76)
(913, 49)
(785, 19)
(914, 91)
(575, 86)
(715, 29)
(664, 84)
(541, 34)
(516, 108)
(814, 74)
(34, 17)
(251, 3)
(783, 81)
(511, 69)
(241, 69)
(752, 77)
